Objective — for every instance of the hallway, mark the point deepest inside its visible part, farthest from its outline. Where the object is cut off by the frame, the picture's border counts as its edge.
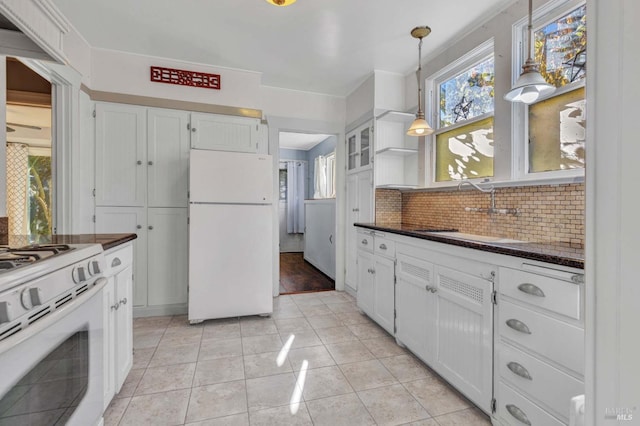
(298, 276)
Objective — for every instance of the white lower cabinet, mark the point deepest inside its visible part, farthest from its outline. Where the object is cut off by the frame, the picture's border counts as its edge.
(539, 345)
(376, 278)
(445, 316)
(160, 266)
(118, 317)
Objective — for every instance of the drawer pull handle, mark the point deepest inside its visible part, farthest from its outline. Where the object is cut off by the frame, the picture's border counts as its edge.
(518, 414)
(365, 242)
(383, 246)
(531, 289)
(518, 326)
(519, 370)
(116, 262)
(123, 301)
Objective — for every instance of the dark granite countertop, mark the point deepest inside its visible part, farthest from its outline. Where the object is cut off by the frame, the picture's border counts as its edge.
(108, 241)
(551, 252)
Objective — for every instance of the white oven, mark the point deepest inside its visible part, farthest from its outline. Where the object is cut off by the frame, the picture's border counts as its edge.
(51, 345)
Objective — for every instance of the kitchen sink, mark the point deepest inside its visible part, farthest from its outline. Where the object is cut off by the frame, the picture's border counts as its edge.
(476, 238)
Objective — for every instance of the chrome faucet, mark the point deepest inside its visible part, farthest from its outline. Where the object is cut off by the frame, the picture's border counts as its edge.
(489, 190)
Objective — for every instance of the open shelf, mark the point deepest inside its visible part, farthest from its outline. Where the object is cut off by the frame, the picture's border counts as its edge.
(397, 151)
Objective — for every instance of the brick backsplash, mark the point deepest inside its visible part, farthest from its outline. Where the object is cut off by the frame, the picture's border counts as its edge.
(546, 213)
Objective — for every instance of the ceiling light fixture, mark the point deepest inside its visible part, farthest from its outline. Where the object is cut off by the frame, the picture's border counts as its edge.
(281, 2)
(530, 85)
(420, 127)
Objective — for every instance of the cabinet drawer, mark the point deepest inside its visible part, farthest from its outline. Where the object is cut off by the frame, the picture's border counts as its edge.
(384, 246)
(119, 258)
(556, 340)
(546, 384)
(517, 410)
(549, 293)
(365, 241)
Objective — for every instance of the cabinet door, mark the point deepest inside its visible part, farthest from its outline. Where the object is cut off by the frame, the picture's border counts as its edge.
(365, 196)
(365, 146)
(123, 325)
(365, 294)
(320, 219)
(129, 220)
(383, 297)
(352, 151)
(224, 133)
(167, 256)
(109, 314)
(167, 157)
(120, 155)
(465, 333)
(351, 276)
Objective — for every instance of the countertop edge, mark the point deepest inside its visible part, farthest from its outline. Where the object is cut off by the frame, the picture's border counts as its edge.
(505, 249)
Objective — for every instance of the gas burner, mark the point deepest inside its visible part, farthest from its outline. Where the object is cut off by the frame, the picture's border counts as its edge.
(11, 258)
(56, 248)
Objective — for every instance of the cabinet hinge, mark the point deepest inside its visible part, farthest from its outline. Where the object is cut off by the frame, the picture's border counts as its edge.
(395, 329)
(395, 314)
(493, 405)
(188, 126)
(94, 192)
(188, 220)
(494, 297)
(188, 194)
(395, 280)
(94, 113)
(94, 218)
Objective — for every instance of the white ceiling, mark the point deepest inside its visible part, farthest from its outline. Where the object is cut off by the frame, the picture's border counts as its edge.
(300, 141)
(325, 46)
(19, 116)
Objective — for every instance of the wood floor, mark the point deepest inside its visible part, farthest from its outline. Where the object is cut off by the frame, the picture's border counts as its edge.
(298, 276)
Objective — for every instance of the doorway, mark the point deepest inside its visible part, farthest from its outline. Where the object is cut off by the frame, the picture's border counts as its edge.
(306, 211)
(30, 165)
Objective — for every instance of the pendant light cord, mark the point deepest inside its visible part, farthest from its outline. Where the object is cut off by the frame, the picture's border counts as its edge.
(418, 76)
(530, 29)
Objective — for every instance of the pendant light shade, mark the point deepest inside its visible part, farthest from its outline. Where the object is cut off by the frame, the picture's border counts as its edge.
(420, 127)
(281, 2)
(530, 86)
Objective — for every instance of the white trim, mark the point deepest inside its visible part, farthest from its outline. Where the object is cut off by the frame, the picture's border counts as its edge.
(54, 14)
(162, 310)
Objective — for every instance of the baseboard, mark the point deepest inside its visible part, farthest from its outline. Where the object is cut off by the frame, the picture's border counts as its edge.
(158, 311)
(350, 290)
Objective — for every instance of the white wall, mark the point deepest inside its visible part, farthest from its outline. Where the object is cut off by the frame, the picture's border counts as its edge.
(613, 292)
(127, 73)
(296, 104)
(360, 103)
(389, 92)
(78, 53)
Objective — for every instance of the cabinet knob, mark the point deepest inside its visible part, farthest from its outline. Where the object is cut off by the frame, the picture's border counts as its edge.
(331, 239)
(150, 163)
(115, 307)
(116, 262)
(123, 301)
(365, 242)
(150, 227)
(193, 129)
(577, 278)
(139, 162)
(383, 246)
(139, 226)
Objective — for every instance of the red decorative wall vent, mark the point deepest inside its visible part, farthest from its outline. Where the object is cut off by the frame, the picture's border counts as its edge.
(185, 78)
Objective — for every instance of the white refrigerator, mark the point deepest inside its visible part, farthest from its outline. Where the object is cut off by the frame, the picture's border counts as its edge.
(230, 234)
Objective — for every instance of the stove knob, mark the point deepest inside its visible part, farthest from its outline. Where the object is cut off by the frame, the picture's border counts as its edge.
(6, 313)
(78, 275)
(93, 267)
(31, 297)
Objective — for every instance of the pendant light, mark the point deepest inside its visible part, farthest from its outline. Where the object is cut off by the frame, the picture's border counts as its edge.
(281, 2)
(530, 85)
(420, 127)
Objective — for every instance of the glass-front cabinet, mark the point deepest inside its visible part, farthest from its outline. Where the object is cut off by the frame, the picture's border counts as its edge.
(359, 147)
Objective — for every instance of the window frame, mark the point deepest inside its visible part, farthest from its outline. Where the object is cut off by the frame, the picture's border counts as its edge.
(542, 16)
(475, 56)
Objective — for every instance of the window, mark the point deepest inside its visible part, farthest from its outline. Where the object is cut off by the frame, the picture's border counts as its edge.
(555, 127)
(463, 116)
(282, 184)
(324, 178)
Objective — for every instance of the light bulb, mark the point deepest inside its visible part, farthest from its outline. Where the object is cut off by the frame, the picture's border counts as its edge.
(529, 94)
(419, 131)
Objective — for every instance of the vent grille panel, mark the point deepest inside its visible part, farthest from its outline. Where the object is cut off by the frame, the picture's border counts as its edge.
(415, 271)
(468, 291)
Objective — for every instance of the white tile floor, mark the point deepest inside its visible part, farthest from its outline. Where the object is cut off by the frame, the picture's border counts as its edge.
(341, 369)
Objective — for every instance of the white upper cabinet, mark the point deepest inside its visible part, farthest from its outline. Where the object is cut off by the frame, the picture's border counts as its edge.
(224, 133)
(360, 148)
(167, 157)
(121, 140)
